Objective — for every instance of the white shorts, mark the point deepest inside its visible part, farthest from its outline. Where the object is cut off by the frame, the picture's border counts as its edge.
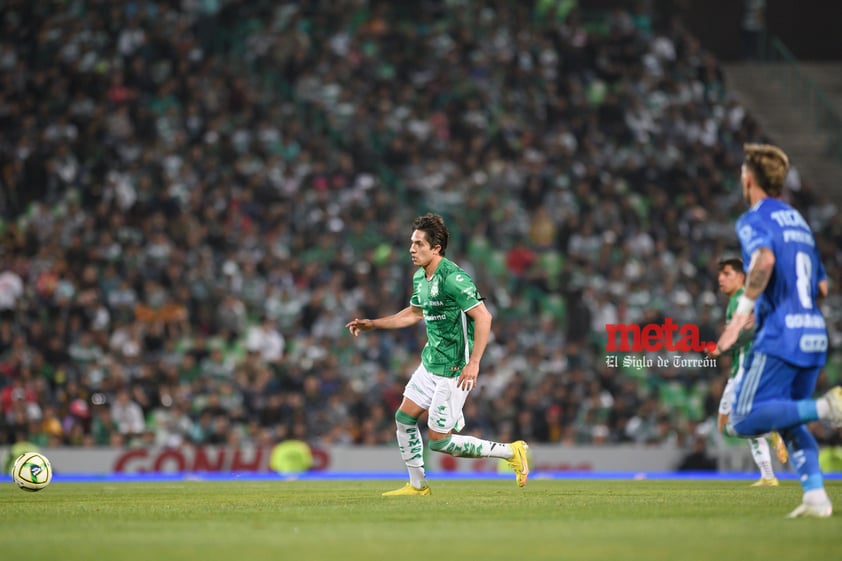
(440, 396)
(727, 400)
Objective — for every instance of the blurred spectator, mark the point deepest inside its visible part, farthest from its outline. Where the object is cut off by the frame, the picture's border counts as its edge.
(698, 459)
(127, 414)
(265, 340)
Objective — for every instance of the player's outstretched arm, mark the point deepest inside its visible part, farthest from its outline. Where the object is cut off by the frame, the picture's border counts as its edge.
(406, 317)
(745, 335)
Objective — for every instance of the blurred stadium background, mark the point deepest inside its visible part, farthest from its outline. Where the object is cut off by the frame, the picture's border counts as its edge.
(196, 195)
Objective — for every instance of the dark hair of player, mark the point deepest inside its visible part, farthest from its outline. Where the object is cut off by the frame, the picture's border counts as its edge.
(734, 262)
(434, 229)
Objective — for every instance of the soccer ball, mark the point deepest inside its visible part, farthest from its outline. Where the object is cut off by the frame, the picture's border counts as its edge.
(32, 471)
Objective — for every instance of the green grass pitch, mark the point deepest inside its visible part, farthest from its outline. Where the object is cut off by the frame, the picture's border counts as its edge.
(463, 520)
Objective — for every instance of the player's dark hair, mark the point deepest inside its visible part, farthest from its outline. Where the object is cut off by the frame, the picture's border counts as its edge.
(734, 262)
(434, 229)
(769, 165)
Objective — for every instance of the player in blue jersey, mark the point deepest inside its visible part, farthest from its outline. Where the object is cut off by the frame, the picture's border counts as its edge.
(784, 280)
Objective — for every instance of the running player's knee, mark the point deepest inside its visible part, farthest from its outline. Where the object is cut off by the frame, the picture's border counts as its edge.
(405, 418)
(742, 429)
(439, 445)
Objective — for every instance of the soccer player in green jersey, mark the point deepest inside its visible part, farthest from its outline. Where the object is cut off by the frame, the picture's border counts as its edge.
(731, 280)
(458, 326)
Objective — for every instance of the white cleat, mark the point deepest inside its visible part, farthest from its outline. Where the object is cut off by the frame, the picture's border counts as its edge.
(804, 510)
(834, 399)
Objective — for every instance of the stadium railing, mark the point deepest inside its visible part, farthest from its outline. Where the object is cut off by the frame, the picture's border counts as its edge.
(785, 69)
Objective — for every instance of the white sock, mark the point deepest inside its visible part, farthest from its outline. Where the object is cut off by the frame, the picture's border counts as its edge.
(412, 451)
(822, 408)
(472, 447)
(816, 497)
(760, 453)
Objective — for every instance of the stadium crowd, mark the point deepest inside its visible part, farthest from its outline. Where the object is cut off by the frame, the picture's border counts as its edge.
(197, 196)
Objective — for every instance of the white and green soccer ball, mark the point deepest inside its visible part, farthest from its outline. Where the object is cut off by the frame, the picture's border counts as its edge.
(32, 471)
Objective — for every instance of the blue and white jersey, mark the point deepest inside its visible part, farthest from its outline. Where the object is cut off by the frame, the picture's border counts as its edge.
(790, 324)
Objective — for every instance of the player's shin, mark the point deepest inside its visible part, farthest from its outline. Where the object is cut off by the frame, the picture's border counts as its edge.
(471, 447)
(762, 457)
(805, 460)
(728, 430)
(412, 448)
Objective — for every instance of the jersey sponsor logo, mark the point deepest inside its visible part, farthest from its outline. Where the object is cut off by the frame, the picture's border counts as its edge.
(789, 218)
(813, 343)
(798, 321)
(653, 337)
(799, 236)
(437, 317)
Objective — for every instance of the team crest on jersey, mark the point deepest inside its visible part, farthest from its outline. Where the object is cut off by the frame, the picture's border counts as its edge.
(745, 233)
(434, 287)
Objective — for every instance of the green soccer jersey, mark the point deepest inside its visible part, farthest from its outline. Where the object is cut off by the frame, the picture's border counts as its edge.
(739, 352)
(445, 298)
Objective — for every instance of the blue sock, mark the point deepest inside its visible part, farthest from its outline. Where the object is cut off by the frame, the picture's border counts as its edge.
(804, 457)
